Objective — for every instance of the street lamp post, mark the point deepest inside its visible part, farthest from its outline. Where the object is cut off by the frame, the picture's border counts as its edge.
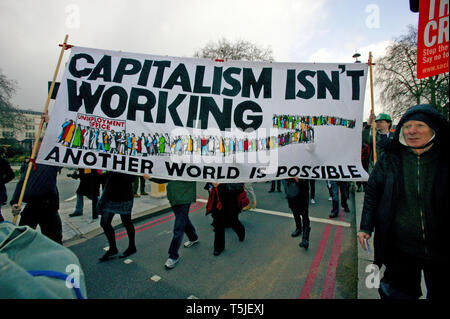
(356, 56)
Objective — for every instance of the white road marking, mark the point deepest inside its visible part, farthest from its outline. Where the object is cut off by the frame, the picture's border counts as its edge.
(128, 261)
(70, 198)
(155, 278)
(313, 219)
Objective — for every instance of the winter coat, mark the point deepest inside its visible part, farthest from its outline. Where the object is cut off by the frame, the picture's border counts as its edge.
(41, 185)
(89, 182)
(118, 187)
(386, 181)
(300, 202)
(179, 192)
(228, 197)
(6, 175)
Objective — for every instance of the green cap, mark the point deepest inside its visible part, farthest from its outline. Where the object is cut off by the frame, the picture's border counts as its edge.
(383, 116)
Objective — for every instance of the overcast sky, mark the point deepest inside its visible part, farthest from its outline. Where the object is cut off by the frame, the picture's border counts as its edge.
(296, 30)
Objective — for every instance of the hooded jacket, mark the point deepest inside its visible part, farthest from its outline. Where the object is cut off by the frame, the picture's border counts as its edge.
(382, 194)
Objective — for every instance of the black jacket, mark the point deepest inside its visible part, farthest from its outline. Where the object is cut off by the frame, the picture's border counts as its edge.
(300, 202)
(385, 182)
(41, 185)
(6, 175)
(89, 182)
(228, 196)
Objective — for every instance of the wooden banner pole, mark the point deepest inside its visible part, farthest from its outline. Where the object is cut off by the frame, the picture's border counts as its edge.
(372, 111)
(41, 125)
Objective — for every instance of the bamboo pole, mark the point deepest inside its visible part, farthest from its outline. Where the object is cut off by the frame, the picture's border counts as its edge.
(41, 125)
(372, 111)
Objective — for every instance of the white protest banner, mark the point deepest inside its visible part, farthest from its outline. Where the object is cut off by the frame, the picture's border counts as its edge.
(197, 119)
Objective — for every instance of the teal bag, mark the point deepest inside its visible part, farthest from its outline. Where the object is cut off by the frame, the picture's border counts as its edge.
(33, 266)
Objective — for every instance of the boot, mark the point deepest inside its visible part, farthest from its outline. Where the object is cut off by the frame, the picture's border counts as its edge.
(254, 204)
(296, 232)
(305, 237)
(298, 226)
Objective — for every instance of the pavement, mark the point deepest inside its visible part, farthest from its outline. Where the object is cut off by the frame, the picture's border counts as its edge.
(81, 228)
(366, 270)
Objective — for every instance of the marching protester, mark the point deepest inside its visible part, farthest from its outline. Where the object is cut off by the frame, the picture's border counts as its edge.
(225, 208)
(297, 194)
(344, 189)
(6, 175)
(42, 200)
(272, 186)
(139, 182)
(180, 195)
(117, 198)
(41, 197)
(406, 203)
(90, 187)
(365, 158)
(383, 125)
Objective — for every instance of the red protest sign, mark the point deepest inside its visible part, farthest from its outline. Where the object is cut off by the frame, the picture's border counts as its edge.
(432, 45)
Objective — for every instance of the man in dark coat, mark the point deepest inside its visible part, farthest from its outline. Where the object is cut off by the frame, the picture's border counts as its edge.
(90, 187)
(42, 198)
(383, 125)
(406, 203)
(297, 194)
(227, 215)
(6, 175)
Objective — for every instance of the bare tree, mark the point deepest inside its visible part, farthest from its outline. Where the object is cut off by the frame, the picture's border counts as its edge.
(395, 75)
(9, 117)
(239, 50)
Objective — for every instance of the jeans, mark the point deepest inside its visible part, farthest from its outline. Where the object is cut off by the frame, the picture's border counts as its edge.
(344, 187)
(182, 225)
(80, 205)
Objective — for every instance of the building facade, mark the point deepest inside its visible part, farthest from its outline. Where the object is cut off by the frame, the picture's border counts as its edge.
(26, 131)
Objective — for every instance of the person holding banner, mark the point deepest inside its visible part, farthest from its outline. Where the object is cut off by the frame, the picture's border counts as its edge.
(42, 198)
(336, 188)
(225, 212)
(180, 195)
(6, 175)
(406, 203)
(297, 194)
(117, 198)
(383, 124)
(90, 187)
